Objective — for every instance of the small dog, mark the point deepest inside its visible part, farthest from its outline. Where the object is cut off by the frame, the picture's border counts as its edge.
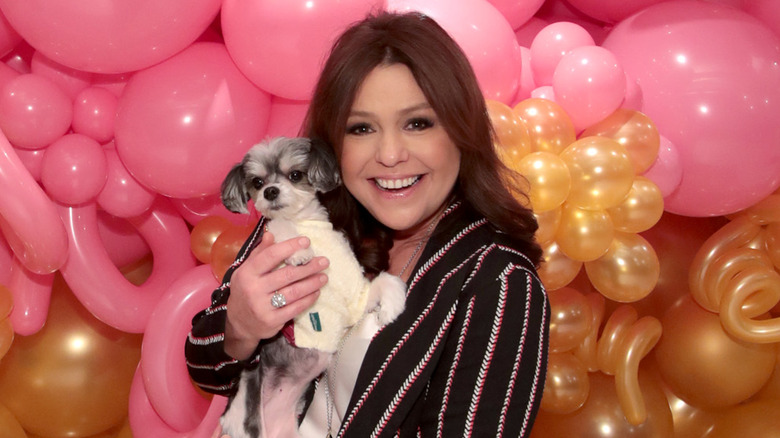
(282, 178)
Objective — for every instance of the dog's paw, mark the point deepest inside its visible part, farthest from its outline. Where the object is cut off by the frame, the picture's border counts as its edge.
(389, 295)
(300, 257)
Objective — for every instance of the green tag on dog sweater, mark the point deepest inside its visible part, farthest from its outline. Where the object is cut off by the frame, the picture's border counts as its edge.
(314, 317)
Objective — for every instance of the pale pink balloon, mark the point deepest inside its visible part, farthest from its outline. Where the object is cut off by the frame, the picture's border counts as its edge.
(34, 111)
(611, 11)
(109, 36)
(286, 117)
(666, 172)
(589, 84)
(516, 12)
(74, 169)
(32, 294)
(711, 84)
(551, 44)
(281, 45)
(165, 374)
(182, 124)
(70, 80)
(99, 285)
(28, 218)
(94, 113)
(122, 195)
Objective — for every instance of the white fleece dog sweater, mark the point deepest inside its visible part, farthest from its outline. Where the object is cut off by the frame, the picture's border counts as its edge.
(342, 300)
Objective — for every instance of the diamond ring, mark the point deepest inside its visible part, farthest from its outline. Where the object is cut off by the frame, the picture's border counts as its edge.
(278, 300)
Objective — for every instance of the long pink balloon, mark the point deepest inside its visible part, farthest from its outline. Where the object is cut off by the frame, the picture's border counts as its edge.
(28, 218)
(99, 285)
(32, 294)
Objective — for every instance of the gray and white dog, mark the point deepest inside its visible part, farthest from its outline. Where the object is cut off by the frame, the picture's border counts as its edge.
(282, 177)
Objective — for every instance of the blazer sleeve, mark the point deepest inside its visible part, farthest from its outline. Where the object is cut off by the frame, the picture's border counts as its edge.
(491, 379)
(209, 366)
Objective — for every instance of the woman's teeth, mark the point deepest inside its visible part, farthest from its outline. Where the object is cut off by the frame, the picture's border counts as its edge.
(394, 184)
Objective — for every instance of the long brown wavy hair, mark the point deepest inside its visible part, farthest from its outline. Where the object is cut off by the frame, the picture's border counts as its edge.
(446, 78)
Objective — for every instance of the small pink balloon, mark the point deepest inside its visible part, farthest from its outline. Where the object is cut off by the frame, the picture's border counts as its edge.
(34, 111)
(74, 169)
(286, 117)
(70, 80)
(476, 25)
(94, 112)
(667, 171)
(122, 195)
(543, 92)
(551, 44)
(182, 124)
(281, 45)
(589, 84)
(109, 36)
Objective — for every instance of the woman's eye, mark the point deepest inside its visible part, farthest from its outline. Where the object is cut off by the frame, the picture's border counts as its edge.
(295, 176)
(419, 124)
(257, 183)
(359, 129)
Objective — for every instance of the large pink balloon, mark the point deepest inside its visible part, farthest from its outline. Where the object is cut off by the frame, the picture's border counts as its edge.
(711, 84)
(182, 124)
(109, 36)
(281, 45)
(484, 35)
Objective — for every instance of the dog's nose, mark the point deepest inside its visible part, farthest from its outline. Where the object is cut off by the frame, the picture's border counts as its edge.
(271, 193)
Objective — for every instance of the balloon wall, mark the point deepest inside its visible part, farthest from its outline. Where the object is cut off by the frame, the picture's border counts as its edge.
(646, 130)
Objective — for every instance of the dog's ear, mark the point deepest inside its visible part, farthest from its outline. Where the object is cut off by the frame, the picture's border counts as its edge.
(323, 172)
(234, 192)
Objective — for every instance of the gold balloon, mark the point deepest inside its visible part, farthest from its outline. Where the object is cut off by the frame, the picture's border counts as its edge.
(628, 271)
(9, 426)
(772, 239)
(705, 366)
(548, 225)
(557, 270)
(73, 377)
(587, 351)
(6, 329)
(640, 210)
(549, 127)
(690, 421)
(601, 173)
(584, 235)
(204, 234)
(567, 384)
(757, 419)
(549, 178)
(513, 142)
(602, 417)
(765, 211)
(226, 247)
(632, 130)
(570, 319)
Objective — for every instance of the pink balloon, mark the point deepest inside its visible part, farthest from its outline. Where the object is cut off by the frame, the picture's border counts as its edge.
(484, 35)
(527, 83)
(634, 97)
(109, 36)
(611, 11)
(666, 172)
(94, 112)
(70, 80)
(182, 124)
(122, 195)
(551, 44)
(589, 84)
(768, 11)
(74, 169)
(281, 45)
(711, 85)
(165, 374)
(34, 111)
(28, 218)
(32, 160)
(194, 210)
(31, 293)
(123, 244)
(526, 33)
(9, 38)
(6, 74)
(516, 12)
(543, 92)
(99, 285)
(20, 58)
(286, 117)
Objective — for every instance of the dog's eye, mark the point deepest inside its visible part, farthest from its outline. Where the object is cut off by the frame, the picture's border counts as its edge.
(257, 182)
(295, 176)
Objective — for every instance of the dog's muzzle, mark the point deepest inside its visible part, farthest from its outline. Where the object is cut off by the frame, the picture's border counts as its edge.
(271, 193)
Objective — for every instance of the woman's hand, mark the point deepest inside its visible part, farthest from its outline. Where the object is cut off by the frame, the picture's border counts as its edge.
(250, 315)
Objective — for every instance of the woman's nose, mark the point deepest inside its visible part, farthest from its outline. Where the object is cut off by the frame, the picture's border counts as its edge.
(391, 150)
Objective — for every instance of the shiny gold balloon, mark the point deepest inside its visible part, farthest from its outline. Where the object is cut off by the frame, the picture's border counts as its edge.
(557, 270)
(705, 366)
(567, 385)
(602, 417)
(9, 426)
(548, 225)
(570, 319)
(549, 178)
(514, 141)
(549, 126)
(73, 377)
(204, 234)
(641, 209)
(691, 421)
(587, 351)
(635, 132)
(226, 247)
(628, 271)
(584, 235)
(756, 419)
(601, 173)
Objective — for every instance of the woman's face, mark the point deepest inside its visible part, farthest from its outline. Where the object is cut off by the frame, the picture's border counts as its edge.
(397, 159)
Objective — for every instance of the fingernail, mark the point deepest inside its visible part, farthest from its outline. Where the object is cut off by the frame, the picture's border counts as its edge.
(323, 278)
(324, 262)
(303, 241)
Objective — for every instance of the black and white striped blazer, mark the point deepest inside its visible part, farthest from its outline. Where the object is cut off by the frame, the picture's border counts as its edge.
(467, 357)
